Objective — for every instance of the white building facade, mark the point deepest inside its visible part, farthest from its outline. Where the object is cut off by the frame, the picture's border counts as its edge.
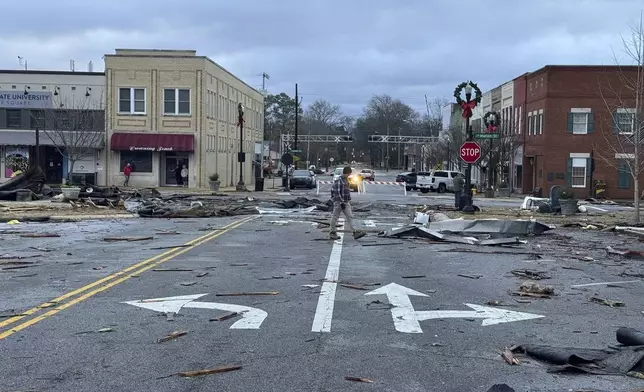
(27, 100)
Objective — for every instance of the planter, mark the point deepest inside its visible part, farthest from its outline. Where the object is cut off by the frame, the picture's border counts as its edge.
(70, 193)
(214, 185)
(568, 206)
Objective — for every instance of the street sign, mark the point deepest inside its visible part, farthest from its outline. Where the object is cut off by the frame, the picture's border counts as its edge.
(287, 159)
(296, 150)
(486, 135)
(251, 318)
(470, 152)
(406, 319)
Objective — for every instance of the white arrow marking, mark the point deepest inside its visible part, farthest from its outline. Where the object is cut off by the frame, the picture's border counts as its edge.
(252, 318)
(406, 318)
(403, 312)
(490, 316)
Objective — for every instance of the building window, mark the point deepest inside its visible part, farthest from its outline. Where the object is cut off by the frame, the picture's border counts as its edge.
(580, 121)
(529, 123)
(624, 177)
(625, 121)
(578, 174)
(37, 119)
(132, 100)
(176, 101)
(141, 161)
(540, 121)
(537, 125)
(14, 118)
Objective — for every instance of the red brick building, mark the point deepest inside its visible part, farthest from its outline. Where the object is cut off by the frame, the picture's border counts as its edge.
(571, 116)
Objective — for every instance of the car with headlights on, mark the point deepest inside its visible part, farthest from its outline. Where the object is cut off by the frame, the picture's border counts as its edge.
(354, 178)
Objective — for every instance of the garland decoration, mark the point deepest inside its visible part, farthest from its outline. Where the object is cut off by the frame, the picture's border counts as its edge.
(491, 121)
(468, 106)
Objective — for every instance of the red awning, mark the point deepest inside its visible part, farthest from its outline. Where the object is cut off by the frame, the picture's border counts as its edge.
(152, 142)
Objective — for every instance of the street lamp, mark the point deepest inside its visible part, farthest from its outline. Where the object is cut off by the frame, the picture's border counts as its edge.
(492, 120)
(241, 158)
(468, 105)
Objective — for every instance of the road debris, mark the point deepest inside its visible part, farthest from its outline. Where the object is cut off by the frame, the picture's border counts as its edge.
(503, 388)
(470, 276)
(413, 276)
(14, 267)
(226, 316)
(607, 302)
(46, 250)
(219, 369)
(530, 274)
(172, 270)
(201, 275)
(172, 336)
(310, 286)
(128, 239)
(509, 357)
(172, 246)
(358, 379)
(188, 283)
(354, 286)
(534, 288)
(103, 330)
(40, 235)
(379, 305)
(247, 293)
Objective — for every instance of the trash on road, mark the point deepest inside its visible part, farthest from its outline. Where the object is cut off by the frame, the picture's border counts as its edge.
(172, 270)
(128, 239)
(172, 247)
(247, 293)
(172, 336)
(192, 283)
(219, 369)
(470, 276)
(358, 379)
(607, 302)
(354, 286)
(612, 360)
(413, 276)
(530, 274)
(626, 253)
(40, 235)
(509, 357)
(103, 330)
(226, 316)
(534, 288)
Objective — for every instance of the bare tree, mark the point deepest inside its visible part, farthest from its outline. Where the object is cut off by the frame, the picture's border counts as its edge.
(75, 127)
(324, 112)
(622, 148)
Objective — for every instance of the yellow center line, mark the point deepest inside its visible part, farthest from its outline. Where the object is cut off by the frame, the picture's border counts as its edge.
(165, 256)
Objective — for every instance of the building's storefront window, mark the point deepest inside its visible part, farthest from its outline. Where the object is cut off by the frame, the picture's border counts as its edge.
(16, 160)
(141, 161)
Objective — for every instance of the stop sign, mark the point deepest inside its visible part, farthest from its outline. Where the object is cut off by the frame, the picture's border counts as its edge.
(470, 152)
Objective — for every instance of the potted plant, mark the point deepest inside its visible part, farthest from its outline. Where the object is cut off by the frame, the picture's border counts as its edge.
(568, 202)
(214, 182)
(70, 192)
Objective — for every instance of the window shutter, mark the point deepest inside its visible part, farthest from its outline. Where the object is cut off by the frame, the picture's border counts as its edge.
(623, 176)
(569, 173)
(615, 124)
(589, 163)
(591, 123)
(571, 120)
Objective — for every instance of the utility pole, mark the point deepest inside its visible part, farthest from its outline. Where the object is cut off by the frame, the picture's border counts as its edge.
(399, 163)
(297, 116)
(387, 157)
(242, 155)
(265, 77)
(308, 145)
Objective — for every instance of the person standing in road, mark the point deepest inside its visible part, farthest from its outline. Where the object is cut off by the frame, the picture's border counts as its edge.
(341, 197)
(459, 183)
(184, 176)
(127, 170)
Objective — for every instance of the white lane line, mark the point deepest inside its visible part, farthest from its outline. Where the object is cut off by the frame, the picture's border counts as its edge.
(324, 310)
(606, 283)
(369, 223)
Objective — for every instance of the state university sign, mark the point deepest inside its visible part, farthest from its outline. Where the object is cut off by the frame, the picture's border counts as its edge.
(132, 148)
(20, 100)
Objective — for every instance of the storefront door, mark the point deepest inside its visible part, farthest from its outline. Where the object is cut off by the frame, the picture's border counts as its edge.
(172, 161)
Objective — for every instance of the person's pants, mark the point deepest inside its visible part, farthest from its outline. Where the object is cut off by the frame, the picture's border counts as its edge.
(127, 181)
(185, 181)
(457, 198)
(337, 209)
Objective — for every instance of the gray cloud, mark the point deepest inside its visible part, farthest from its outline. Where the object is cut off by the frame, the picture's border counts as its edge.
(344, 51)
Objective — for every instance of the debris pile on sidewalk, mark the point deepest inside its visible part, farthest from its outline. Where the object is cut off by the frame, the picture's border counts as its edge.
(439, 227)
(627, 359)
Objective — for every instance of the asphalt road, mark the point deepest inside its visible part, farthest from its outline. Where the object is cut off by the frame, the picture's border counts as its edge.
(316, 328)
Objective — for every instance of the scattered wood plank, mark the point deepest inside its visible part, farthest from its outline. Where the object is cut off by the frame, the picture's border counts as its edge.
(354, 286)
(13, 267)
(413, 276)
(40, 235)
(238, 264)
(40, 249)
(171, 247)
(571, 268)
(358, 379)
(24, 276)
(381, 243)
(18, 257)
(247, 293)
(219, 369)
(172, 270)
(128, 239)
(607, 302)
(226, 316)
(172, 336)
(201, 275)
(531, 295)
(470, 276)
(509, 357)
(188, 283)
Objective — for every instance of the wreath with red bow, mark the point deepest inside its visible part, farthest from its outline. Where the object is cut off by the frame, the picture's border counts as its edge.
(468, 106)
(490, 124)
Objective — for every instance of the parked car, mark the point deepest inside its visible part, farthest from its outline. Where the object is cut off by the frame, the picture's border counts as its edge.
(410, 178)
(440, 181)
(303, 178)
(368, 174)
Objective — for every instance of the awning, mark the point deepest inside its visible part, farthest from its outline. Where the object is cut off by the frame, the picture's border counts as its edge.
(127, 141)
(52, 138)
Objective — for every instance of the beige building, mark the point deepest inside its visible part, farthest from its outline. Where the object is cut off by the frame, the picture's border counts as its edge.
(170, 108)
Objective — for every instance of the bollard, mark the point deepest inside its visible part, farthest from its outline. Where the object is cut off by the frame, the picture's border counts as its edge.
(317, 185)
(405, 188)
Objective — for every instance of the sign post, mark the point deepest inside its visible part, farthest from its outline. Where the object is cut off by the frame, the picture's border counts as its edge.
(470, 152)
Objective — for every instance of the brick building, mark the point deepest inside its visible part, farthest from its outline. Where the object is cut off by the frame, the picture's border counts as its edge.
(570, 116)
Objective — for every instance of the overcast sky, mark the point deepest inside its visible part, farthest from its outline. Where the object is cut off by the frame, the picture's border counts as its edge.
(340, 50)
